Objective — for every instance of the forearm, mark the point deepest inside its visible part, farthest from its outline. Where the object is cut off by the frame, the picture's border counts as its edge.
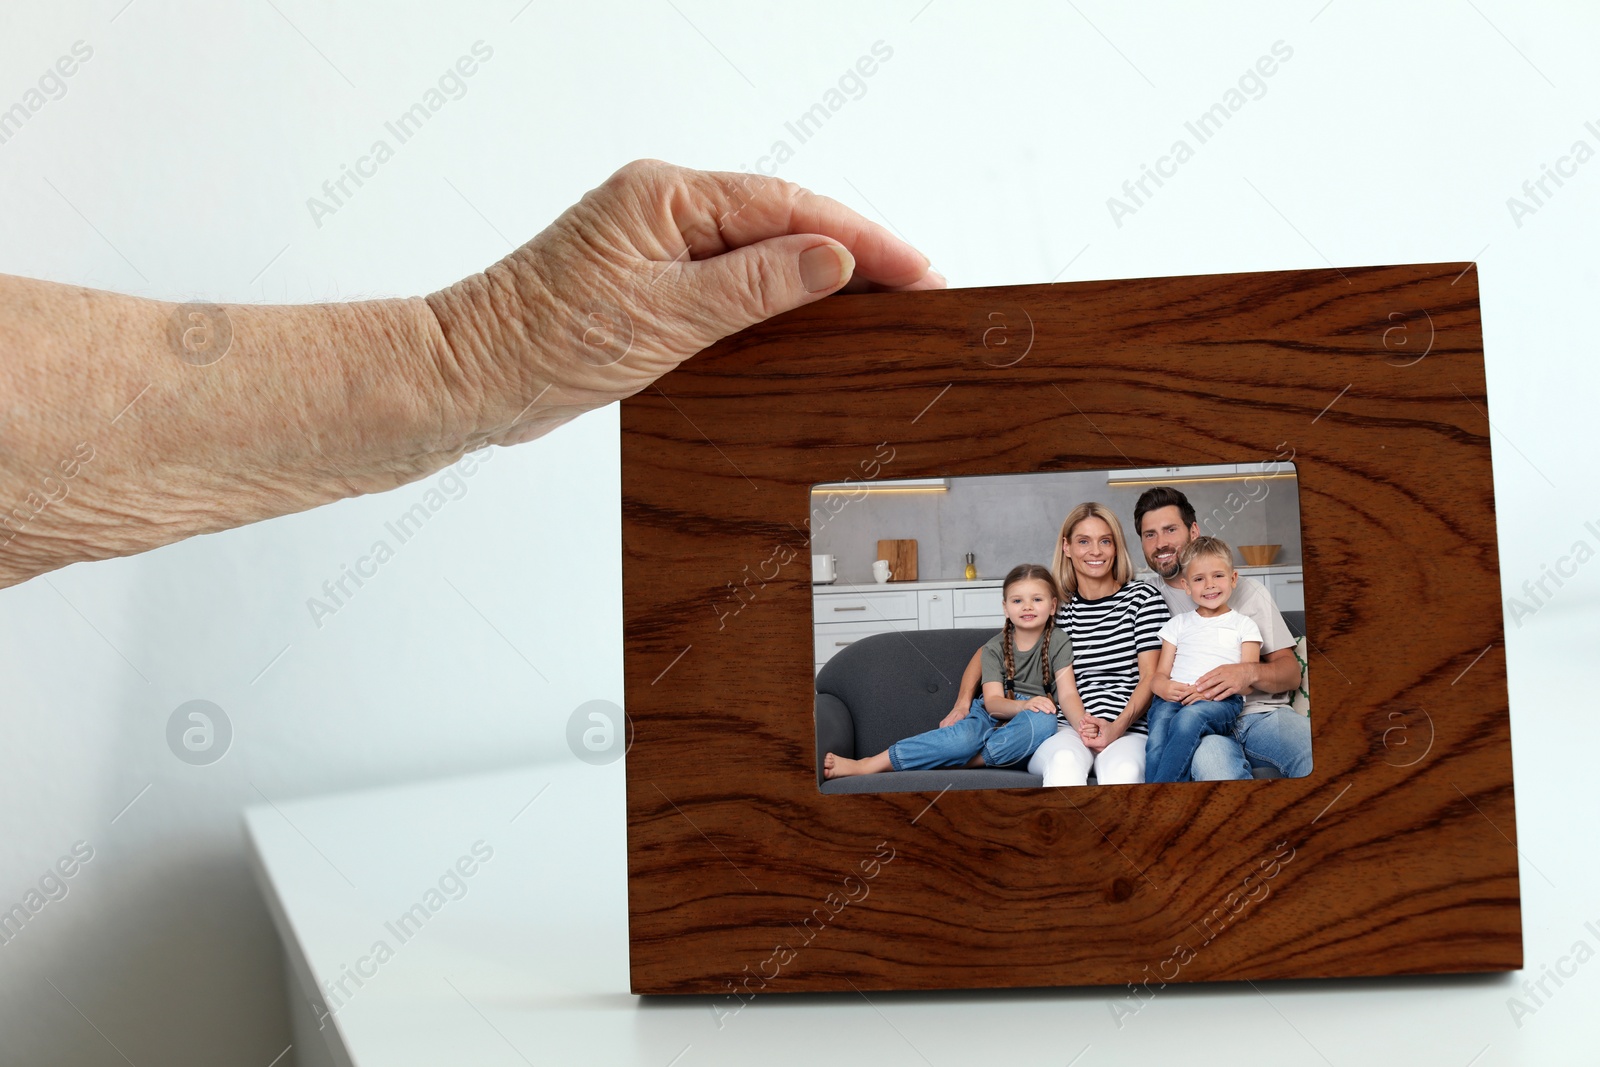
(970, 680)
(1072, 707)
(113, 442)
(1275, 676)
(309, 404)
(1135, 707)
(1003, 707)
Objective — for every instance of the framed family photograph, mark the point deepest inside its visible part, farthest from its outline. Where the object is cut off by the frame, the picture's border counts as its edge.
(960, 623)
(1161, 636)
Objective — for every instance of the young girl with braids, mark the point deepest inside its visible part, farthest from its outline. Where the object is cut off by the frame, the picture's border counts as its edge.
(1020, 693)
(1113, 621)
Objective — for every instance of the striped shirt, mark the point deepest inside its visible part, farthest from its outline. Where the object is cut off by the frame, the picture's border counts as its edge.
(1107, 636)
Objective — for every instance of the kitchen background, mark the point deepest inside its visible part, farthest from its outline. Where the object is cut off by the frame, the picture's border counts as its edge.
(1014, 518)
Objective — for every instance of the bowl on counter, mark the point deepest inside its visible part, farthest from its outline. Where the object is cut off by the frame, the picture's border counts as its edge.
(1259, 555)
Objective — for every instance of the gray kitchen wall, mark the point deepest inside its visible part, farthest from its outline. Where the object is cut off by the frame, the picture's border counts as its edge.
(1015, 518)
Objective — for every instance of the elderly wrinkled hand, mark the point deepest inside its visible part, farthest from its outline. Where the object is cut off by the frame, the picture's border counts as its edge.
(654, 265)
(295, 406)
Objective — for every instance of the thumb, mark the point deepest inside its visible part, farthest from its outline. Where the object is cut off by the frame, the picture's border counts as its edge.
(748, 285)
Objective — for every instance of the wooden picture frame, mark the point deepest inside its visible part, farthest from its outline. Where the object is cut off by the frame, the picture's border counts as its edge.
(1396, 855)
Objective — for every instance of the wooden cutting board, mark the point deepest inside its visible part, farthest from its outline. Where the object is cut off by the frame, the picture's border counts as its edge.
(902, 557)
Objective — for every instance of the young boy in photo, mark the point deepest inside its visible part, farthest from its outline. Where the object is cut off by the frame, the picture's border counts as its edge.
(1192, 644)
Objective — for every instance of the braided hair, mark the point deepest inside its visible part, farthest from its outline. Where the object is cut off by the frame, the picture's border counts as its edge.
(1023, 572)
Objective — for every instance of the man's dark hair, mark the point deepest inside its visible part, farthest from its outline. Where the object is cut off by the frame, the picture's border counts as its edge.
(1161, 496)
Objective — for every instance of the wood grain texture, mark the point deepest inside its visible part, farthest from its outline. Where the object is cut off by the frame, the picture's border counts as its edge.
(902, 556)
(1395, 856)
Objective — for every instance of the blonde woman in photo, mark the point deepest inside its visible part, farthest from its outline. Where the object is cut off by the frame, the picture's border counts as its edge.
(1112, 622)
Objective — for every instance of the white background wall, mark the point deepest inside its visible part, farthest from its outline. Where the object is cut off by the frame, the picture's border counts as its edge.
(178, 165)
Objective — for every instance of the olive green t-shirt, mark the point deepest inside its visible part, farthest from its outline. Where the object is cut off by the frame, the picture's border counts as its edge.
(1029, 680)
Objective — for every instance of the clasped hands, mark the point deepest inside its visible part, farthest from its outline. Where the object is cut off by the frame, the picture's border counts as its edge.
(1095, 733)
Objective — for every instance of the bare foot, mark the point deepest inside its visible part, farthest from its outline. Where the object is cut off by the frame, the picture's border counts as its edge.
(976, 760)
(840, 767)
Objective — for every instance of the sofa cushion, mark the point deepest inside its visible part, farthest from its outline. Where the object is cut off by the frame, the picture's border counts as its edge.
(899, 684)
(934, 781)
(1301, 701)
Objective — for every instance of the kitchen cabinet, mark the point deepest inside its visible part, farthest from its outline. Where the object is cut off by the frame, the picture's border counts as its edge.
(979, 606)
(843, 614)
(1288, 588)
(1285, 582)
(936, 609)
(853, 604)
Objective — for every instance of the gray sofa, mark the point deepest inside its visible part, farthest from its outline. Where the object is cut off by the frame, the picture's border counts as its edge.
(891, 686)
(887, 687)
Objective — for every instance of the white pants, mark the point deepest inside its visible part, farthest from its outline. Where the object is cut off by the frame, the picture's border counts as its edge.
(1065, 760)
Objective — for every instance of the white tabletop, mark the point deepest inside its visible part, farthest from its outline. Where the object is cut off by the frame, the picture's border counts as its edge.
(530, 964)
(531, 959)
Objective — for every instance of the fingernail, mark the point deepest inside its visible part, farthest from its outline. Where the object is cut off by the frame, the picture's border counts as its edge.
(936, 276)
(823, 267)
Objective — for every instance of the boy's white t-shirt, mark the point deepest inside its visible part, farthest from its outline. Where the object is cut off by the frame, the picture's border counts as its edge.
(1249, 598)
(1203, 643)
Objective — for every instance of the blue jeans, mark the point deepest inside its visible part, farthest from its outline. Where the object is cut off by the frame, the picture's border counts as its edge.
(1279, 739)
(1002, 742)
(1176, 731)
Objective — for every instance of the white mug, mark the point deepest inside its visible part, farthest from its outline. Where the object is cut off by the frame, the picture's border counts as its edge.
(880, 570)
(822, 569)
